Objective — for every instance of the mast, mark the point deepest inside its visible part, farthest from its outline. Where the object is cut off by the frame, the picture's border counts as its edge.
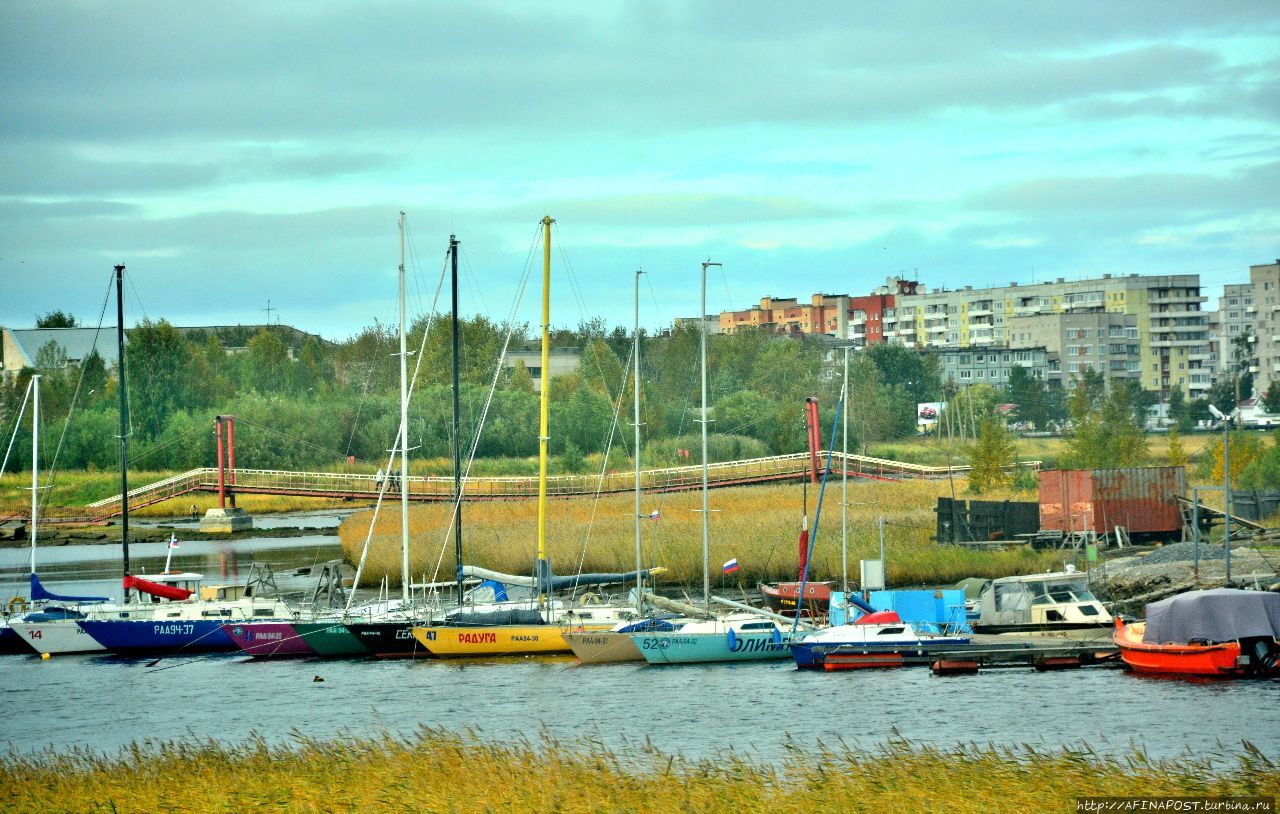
(35, 465)
(544, 570)
(706, 511)
(844, 481)
(404, 436)
(635, 392)
(457, 440)
(124, 426)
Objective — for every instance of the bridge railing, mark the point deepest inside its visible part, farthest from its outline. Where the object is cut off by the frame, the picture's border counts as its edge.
(358, 485)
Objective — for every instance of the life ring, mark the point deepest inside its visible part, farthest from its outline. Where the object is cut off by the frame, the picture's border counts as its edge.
(589, 598)
(17, 604)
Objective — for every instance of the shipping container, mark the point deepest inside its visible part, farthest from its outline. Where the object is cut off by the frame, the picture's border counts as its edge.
(1142, 500)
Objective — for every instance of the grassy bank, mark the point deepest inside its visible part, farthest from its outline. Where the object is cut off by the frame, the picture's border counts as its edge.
(758, 525)
(436, 771)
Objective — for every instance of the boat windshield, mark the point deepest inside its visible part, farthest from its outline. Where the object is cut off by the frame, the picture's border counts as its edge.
(1060, 591)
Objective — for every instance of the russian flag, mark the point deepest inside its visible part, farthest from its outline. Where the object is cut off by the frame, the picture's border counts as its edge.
(731, 566)
(173, 541)
(655, 514)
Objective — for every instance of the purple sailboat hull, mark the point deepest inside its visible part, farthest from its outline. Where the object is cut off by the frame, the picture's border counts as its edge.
(268, 639)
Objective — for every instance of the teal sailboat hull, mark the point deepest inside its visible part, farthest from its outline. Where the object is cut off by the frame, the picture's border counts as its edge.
(695, 648)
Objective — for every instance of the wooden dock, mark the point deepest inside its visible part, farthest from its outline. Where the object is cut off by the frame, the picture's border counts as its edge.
(989, 651)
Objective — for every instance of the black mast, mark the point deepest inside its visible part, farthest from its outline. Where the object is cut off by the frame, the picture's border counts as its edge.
(124, 426)
(457, 440)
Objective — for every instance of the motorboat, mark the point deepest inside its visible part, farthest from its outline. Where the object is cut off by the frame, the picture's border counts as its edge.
(1059, 600)
(1221, 632)
(883, 636)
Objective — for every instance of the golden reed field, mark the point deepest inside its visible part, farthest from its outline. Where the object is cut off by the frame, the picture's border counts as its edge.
(437, 771)
(758, 525)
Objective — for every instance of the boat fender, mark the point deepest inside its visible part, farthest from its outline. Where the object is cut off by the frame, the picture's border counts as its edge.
(777, 636)
(733, 640)
(17, 604)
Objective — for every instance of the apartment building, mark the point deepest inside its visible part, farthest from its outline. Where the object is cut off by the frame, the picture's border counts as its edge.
(1265, 282)
(1236, 317)
(966, 366)
(858, 320)
(1172, 330)
(1080, 341)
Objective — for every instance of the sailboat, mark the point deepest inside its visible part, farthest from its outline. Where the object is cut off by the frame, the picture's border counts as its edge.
(381, 627)
(41, 608)
(616, 645)
(508, 629)
(171, 612)
(745, 636)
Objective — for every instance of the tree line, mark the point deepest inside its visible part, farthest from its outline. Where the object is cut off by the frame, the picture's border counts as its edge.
(301, 403)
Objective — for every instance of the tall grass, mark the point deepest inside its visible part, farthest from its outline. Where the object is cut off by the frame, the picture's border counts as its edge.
(438, 771)
(757, 525)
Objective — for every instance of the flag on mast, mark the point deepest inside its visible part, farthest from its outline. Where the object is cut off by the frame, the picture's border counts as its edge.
(731, 566)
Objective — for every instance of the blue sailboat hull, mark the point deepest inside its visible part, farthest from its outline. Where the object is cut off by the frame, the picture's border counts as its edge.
(695, 648)
(159, 637)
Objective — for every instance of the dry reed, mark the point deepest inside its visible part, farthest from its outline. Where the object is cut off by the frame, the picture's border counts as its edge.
(757, 525)
(438, 771)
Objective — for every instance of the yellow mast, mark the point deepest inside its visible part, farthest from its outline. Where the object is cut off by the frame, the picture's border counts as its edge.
(544, 571)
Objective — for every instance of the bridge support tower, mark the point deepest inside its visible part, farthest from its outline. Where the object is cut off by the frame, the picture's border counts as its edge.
(226, 518)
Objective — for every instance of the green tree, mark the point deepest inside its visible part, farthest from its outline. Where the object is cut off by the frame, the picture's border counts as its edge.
(56, 319)
(1271, 397)
(158, 381)
(1177, 453)
(1107, 424)
(1178, 410)
(991, 455)
(268, 363)
(1030, 394)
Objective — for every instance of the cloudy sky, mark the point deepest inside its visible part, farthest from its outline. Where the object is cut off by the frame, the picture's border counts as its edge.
(235, 153)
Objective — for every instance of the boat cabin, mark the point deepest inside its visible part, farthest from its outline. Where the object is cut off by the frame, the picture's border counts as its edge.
(1059, 600)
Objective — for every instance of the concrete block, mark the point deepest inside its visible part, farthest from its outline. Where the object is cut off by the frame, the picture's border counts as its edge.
(225, 521)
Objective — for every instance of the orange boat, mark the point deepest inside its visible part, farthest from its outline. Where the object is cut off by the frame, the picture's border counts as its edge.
(1222, 633)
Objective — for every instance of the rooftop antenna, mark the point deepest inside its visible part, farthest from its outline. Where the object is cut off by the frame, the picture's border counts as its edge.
(269, 309)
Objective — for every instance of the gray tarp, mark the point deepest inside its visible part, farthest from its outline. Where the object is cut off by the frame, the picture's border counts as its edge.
(1217, 615)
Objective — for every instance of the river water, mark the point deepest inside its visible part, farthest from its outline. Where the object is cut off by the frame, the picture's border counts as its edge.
(754, 709)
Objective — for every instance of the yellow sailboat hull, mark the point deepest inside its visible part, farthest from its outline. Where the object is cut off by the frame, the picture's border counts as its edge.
(498, 640)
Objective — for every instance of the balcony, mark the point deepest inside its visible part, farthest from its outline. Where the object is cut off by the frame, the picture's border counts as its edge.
(1177, 298)
(979, 312)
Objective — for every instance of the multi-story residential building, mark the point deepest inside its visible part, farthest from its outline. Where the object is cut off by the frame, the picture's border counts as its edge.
(1173, 339)
(1080, 341)
(966, 366)
(858, 319)
(1265, 281)
(1236, 317)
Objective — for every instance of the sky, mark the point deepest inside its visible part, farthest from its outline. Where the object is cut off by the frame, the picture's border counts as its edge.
(244, 155)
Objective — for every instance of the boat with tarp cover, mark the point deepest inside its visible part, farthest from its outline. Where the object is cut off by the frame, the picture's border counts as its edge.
(1220, 632)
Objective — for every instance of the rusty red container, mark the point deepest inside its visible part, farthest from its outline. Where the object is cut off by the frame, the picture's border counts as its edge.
(1143, 500)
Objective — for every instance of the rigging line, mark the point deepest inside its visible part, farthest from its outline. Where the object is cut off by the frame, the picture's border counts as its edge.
(290, 437)
(484, 414)
(17, 424)
(62, 437)
(471, 277)
(604, 467)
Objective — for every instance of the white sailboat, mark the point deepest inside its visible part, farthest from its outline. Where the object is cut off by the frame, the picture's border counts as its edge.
(743, 636)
